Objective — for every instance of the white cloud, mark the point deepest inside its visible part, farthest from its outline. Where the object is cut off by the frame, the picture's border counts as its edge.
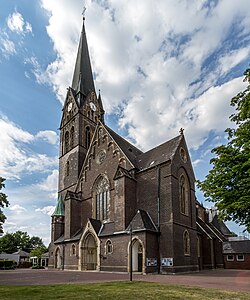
(8, 47)
(15, 157)
(48, 136)
(17, 24)
(50, 184)
(17, 209)
(151, 65)
(47, 210)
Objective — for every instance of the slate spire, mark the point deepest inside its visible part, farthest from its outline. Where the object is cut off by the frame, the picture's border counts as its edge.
(83, 81)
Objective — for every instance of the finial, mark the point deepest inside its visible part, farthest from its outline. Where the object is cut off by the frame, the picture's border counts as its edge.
(83, 12)
(181, 131)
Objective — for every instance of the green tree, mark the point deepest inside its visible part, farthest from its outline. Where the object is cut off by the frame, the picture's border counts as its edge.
(3, 203)
(38, 252)
(11, 242)
(228, 182)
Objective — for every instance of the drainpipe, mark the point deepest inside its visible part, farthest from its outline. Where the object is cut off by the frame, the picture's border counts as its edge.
(158, 197)
(158, 215)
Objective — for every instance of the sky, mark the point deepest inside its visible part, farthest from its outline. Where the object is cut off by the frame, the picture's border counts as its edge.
(160, 65)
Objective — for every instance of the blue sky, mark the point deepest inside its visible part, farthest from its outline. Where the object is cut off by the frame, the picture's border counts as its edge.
(161, 65)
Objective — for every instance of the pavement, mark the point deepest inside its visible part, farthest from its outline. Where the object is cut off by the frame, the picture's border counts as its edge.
(236, 280)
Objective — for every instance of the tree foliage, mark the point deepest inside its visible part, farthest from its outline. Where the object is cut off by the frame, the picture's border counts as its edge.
(3, 203)
(38, 251)
(228, 182)
(11, 242)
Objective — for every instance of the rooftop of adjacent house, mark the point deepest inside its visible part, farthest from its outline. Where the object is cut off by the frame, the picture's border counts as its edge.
(21, 253)
(242, 247)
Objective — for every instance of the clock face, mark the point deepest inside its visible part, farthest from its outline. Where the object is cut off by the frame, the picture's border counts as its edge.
(92, 106)
(69, 106)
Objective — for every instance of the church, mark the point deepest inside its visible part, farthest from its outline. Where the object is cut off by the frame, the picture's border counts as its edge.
(119, 209)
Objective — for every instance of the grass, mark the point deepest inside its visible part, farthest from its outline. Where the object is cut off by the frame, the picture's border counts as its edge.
(116, 290)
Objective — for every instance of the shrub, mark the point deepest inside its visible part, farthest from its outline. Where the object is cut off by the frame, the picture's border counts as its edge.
(25, 264)
(6, 264)
(37, 267)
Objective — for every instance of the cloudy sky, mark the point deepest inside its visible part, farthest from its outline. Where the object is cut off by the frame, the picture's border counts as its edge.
(160, 65)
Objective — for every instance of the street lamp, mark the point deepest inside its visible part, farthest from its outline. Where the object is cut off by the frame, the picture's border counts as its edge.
(131, 250)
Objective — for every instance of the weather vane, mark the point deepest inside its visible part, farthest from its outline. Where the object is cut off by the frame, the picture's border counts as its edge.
(83, 11)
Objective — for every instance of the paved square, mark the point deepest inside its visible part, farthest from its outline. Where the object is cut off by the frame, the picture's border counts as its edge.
(238, 280)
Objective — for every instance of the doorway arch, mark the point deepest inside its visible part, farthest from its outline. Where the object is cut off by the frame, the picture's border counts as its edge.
(58, 259)
(137, 256)
(89, 253)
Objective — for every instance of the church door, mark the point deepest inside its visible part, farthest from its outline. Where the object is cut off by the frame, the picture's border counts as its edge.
(137, 254)
(89, 257)
(58, 261)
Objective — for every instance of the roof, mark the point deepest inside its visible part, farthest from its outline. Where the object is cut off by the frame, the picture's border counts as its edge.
(22, 253)
(221, 226)
(209, 230)
(96, 224)
(236, 247)
(59, 210)
(83, 78)
(142, 221)
(128, 149)
(107, 229)
(14, 257)
(159, 154)
(59, 240)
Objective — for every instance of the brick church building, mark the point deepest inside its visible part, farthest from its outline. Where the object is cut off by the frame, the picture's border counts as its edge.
(116, 204)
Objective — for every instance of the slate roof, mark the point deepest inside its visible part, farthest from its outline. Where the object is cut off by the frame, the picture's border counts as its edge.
(107, 229)
(96, 224)
(221, 226)
(236, 247)
(22, 253)
(141, 222)
(209, 230)
(83, 68)
(129, 150)
(159, 154)
(59, 240)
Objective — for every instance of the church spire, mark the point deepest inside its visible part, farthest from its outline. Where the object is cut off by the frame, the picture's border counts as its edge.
(83, 78)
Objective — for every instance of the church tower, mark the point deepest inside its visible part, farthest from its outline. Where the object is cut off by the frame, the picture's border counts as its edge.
(81, 112)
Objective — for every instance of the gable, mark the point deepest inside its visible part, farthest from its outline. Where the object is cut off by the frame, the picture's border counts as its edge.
(158, 155)
(103, 153)
(70, 108)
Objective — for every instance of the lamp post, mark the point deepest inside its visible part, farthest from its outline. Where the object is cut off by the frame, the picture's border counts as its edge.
(131, 252)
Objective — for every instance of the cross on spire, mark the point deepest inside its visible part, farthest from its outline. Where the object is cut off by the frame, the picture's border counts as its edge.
(181, 131)
(83, 11)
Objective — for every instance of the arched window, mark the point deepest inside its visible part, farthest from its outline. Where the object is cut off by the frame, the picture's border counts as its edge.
(184, 194)
(72, 136)
(186, 243)
(87, 135)
(73, 250)
(67, 168)
(108, 247)
(102, 199)
(66, 141)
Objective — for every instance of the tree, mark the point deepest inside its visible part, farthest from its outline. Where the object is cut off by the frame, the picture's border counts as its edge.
(11, 242)
(228, 182)
(38, 252)
(3, 203)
